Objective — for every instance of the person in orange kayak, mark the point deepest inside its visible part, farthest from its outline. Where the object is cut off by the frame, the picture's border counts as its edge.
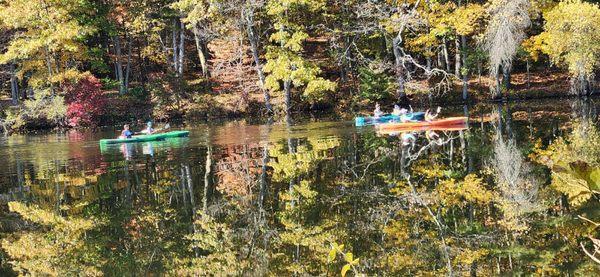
(430, 116)
(433, 137)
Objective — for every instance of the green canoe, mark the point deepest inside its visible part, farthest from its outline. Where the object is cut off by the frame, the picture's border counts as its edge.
(142, 138)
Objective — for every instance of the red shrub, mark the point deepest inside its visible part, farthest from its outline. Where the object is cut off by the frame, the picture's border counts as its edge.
(85, 100)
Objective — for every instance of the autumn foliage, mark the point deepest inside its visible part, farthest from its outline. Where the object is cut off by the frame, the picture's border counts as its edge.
(85, 100)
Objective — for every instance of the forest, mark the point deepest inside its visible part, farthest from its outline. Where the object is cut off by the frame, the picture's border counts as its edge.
(71, 63)
(250, 164)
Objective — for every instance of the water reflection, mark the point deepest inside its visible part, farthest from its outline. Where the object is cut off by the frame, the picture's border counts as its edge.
(281, 199)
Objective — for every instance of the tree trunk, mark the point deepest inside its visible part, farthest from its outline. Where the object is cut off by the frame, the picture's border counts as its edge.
(249, 19)
(287, 88)
(263, 177)
(201, 55)
(457, 64)
(175, 51)
(143, 64)
(473, 269)
(465, 74)
(14, 84)
(119, 64)
(181, 49)
(528, 74)
(49, 67)
(498, 90)
(445, 53)
(207, 171)
(116, 70)
(399, 60)
(479, 70)
(401, 92)
(506, 77)
(428, 61)
(128, 68)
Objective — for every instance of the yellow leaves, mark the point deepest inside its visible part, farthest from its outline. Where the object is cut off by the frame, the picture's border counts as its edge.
(286, 65)
(576, 189)
(294, 43)
(55, 249)
(573, 36)
(47, 36)
(68, 75)
(278, 8)
(313, 237)
(401, 188)
(290, 165)
(423, 42)
(575, 163)
(536, 45)
(401, 260)
(215, 240)
(36, 215)
(348, 258)
(345, 269)
(315, 89)
(429, 170)
(302, 191)
(398, 231)
(284, 61)
(468, 20)
(473, 190)
(468, 257)
(211, 236)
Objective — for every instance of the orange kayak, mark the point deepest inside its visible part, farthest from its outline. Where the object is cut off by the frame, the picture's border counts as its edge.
(441, 124)
(453, 128)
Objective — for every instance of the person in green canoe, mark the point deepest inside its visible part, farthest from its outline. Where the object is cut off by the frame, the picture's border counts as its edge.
(149, 130)
(126, 133)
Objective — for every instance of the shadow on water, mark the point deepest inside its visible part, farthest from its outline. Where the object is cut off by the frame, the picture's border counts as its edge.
(273, 198)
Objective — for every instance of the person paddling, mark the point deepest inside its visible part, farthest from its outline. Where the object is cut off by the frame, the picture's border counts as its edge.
(432, 116)
(399, 111)
(149, 130)
(126, 133)
(377, 112)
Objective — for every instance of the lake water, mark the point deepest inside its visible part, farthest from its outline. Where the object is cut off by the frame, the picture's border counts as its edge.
(274, 199)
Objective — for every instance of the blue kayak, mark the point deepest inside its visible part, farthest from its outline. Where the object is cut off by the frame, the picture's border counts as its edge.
(364, 121)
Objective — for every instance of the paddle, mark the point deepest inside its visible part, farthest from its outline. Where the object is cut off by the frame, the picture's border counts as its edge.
(167, 126)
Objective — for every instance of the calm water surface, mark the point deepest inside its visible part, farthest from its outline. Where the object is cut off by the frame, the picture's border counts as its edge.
(275, 199)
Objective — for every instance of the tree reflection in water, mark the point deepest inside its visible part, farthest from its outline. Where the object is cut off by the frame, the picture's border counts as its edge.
(512, 194)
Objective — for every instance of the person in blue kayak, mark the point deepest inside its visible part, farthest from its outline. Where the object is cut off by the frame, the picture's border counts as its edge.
(377, 112)
(401, 111)
(398, 111)
(126, 133)
(404, 114)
